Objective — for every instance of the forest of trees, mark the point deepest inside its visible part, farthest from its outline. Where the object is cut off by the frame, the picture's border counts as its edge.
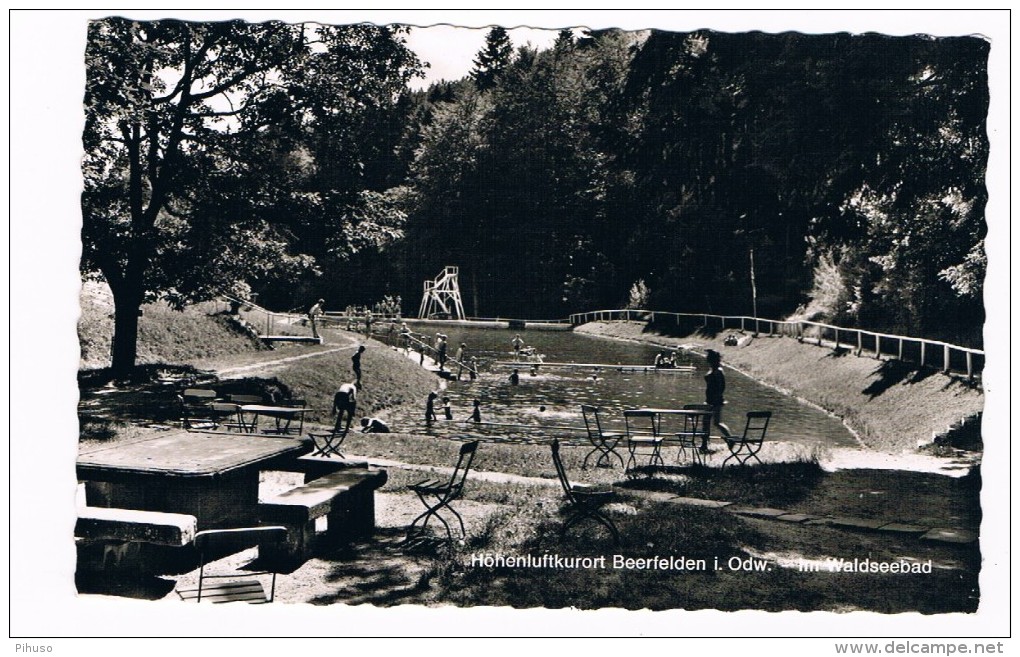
(839, 177)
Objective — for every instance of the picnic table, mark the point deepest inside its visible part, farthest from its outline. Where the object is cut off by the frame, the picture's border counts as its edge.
(283, 416)
(685, 414)
(688, 435)
(212, 476)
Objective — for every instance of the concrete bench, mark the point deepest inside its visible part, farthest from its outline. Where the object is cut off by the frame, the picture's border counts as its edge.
(345, 498)
(110, 539)
(97, 523)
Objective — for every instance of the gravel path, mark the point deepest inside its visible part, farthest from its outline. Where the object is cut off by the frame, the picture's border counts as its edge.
(233, 372)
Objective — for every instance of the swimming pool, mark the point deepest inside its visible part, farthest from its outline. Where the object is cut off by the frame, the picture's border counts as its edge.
(547, 402)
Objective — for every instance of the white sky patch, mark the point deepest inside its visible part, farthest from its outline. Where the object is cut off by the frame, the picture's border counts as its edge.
(450, 50)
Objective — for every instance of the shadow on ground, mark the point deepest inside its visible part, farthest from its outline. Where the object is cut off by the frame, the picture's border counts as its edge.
(151, 398)
(894, 372)
(769, 484)
(124, 585)
(381, 570)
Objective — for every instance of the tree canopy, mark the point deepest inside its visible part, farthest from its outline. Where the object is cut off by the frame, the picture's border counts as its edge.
(834, 176)
(723, 172)
(217, 152)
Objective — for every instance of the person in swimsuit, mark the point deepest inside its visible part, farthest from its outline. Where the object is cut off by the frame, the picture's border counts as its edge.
(715, 389)
(345, 402)
(430, 408)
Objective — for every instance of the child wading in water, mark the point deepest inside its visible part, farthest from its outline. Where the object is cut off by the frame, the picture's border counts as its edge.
(430, 407)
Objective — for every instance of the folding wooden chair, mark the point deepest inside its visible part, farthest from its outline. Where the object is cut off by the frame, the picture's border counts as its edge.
(643, 434)
(328, 443)
(227, 416)
(583, 501)
(603, 442)
(746, 446)
(437, 495)
(196, 411)
(232, 589)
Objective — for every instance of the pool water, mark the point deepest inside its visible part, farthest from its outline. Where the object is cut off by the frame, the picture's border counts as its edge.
(547, 403)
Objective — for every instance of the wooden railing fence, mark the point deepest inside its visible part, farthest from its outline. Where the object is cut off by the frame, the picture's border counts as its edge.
(947, 357)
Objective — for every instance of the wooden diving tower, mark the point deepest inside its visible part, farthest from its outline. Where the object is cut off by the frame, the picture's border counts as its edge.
(441, 297)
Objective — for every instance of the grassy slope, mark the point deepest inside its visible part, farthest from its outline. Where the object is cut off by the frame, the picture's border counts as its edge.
(164, 335)
(389, 379)
(194, 337)
(891, 408)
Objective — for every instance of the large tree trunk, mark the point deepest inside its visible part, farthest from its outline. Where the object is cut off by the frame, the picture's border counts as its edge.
(127, 305)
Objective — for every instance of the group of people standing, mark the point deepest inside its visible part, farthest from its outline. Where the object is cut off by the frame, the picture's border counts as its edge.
(430, 409)
(357, 317)
(345, 402)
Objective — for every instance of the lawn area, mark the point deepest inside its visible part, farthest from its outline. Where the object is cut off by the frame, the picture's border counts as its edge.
(513, 508)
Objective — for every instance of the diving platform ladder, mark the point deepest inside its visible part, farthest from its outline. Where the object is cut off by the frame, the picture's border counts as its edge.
(441, 297)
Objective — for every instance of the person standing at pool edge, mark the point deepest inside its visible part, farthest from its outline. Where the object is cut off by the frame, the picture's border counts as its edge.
(441, 351)
(715, 388)
(345, 401)
(517, 344)
(313, 315)
(430, 408)
(356, 365)
(460, 359)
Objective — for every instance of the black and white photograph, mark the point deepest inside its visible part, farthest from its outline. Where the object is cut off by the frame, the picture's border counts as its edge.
(512, 323)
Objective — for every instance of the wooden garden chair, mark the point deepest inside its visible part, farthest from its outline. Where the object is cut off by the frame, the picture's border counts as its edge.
(439, 495)
(582, 501)
(747, 445)
(603, 442)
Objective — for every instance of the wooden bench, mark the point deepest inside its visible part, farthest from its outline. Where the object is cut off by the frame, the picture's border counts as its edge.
(347, 500)
(314, 467)
(109, 538)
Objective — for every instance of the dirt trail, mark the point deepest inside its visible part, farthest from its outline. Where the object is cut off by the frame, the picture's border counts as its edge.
(233, 372)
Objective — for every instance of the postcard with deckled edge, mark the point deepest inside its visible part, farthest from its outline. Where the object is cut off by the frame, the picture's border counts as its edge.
(611, 326)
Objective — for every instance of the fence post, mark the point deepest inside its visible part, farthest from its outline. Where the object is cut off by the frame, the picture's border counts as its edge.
(860, 345)
(878, 346)
(267, 325)
(837, 338)
(923, 344)
(819, 336)
(741, 324)
(900, 356)
(945, 359)
(970, 367)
